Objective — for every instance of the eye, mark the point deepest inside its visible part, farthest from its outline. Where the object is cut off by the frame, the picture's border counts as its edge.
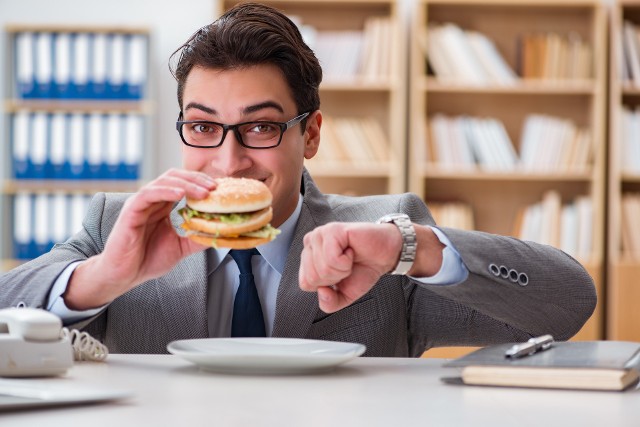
(201, 128)
(263, 128)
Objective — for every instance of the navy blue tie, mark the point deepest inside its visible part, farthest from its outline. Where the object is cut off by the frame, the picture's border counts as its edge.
(247, 313)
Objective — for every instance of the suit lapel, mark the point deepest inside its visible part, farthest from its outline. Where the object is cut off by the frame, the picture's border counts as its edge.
(183, 294)
(296, 309)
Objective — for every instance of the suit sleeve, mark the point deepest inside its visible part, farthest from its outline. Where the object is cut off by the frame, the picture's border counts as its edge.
(515, 289)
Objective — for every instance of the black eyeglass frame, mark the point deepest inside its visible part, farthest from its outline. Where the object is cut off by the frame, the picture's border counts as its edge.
(284, 126)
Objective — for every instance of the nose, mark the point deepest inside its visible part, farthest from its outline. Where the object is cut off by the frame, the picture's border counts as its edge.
(231, 158)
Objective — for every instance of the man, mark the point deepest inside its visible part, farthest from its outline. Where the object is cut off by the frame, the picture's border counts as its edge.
(131, 279)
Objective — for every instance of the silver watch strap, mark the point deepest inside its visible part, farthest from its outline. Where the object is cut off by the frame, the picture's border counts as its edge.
(409, 241)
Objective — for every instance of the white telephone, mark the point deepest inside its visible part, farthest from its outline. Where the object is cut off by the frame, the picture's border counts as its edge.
(34, 343)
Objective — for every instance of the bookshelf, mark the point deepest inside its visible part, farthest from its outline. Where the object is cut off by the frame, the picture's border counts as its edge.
(624, 179)
(363, 81)
(76, 107)
(497, 197)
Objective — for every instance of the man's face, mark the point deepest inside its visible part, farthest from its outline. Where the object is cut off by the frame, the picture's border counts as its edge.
(250, 94)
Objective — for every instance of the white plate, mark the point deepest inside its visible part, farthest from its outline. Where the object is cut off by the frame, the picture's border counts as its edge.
(265, 355)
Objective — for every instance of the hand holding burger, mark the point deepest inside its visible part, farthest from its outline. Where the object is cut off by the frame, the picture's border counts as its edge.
(235, 215)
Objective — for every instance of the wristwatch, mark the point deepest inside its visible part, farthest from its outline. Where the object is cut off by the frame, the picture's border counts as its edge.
(409, 241)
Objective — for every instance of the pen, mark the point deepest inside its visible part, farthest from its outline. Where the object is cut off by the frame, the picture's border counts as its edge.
(533, 345)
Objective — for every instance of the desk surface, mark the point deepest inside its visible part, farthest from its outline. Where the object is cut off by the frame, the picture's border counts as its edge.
(364, 392)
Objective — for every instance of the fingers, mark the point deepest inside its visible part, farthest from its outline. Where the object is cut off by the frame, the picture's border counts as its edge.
(332, 299)
(342, 262)
(192, 184)
(346, 292)
(326, 258)
(169, 188)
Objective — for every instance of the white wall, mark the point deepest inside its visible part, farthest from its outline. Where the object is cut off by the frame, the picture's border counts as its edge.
(170, 22)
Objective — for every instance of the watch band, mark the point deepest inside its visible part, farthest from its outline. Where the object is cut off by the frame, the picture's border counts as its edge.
(409, 241)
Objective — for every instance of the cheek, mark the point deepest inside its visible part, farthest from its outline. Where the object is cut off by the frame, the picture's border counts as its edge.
(193, 159)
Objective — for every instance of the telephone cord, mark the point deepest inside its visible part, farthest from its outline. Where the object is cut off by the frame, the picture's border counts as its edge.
(85, 347)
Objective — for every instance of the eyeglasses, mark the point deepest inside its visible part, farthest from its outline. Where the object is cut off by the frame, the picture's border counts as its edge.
(259, 135)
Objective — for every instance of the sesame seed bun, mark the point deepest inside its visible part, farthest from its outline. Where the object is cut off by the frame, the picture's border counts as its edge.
(234, 195)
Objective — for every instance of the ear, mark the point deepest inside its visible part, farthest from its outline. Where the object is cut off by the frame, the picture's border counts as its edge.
(312, 134)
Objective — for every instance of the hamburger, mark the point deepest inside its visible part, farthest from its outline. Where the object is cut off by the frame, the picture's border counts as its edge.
(235, 215)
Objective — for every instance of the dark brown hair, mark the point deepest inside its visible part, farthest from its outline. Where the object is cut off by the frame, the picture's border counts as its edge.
(252, 34)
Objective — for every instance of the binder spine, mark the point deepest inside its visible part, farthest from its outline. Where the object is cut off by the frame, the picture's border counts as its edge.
(24, 48)
(80, 87)
(20, 134)
(44, 66)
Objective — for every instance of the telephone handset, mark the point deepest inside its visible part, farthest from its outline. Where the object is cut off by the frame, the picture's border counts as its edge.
(34, 343)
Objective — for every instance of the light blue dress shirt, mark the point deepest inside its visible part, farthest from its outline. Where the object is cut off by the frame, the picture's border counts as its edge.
(224, 279)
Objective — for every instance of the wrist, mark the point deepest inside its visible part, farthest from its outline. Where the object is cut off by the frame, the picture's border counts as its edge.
(429, 255)
(89, 287)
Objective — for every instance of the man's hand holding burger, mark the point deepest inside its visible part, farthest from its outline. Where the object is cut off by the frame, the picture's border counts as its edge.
(143, 243)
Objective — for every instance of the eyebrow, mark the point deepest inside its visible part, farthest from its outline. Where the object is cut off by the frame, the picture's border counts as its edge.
(247, 110)
(200, 107)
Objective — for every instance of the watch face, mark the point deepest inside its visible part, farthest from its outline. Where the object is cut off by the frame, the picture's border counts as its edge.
(392, 217)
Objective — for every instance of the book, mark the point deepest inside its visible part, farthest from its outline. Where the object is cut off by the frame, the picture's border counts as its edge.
(579, 365)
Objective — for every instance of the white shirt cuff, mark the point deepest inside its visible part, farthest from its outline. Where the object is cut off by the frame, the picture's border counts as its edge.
(452, 270)
(56, 304)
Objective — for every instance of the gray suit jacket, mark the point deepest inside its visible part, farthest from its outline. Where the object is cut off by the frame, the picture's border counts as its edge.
(397, 317)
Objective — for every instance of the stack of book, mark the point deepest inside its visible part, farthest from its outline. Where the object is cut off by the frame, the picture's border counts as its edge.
(547, 144)
(630, 140)
(350, 141)
(554, 144)
(552, 56)
(631, 225)
(465, 57)
(452, 214)
(354, 55)
(568, 227)
(464, 143)
(630, 61)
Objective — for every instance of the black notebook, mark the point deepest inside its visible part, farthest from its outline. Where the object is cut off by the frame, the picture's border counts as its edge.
(585, 365)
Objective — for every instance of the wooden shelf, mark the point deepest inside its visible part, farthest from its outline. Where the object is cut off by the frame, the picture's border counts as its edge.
(431, 172)
(623, 292)
(626, 177)
(497, 198)
(515, 3)
(81, 106)
(522, 87)
(623, 295)
(348, 169)
(69, 186)
(630, 90)
(356, 86)
(76, 29)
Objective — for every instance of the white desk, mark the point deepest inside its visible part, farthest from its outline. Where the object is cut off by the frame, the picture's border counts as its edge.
(364, 392)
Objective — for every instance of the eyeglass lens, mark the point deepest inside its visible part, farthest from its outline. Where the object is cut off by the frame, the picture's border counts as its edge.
(255, 134)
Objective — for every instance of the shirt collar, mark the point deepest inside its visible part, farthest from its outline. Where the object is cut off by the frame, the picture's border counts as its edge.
(275, 252)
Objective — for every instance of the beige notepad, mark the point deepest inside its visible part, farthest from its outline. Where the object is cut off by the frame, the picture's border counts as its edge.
(584, 365)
